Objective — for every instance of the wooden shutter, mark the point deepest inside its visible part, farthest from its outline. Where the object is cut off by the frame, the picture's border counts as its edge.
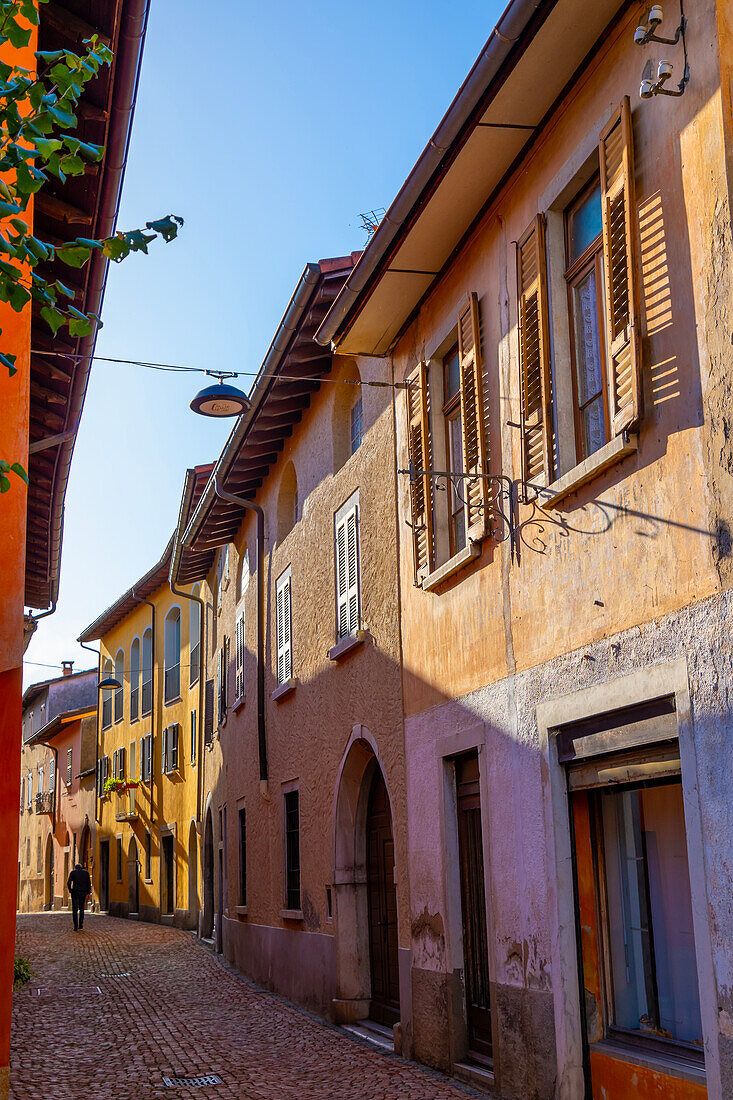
(347, 573)
(616, 154)
(225, 679)
(534, 356)
(209, 713)
(121, 763)
(284, 641)
(421, 486)
(473, 418)
(173, 747)
(114, 764)
(239, 656)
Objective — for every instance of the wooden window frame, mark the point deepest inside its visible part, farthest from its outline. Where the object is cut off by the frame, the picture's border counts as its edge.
(242, 838)
(290, 896)
(592, 258)
(452, 410)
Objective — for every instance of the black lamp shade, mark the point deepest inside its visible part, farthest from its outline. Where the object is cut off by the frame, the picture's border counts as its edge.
(220, 400)
(109, 683)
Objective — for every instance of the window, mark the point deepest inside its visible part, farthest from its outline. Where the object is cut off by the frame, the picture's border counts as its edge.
(222, 677)
(292, 851)
(329, 903)
(106, 697)
(119, 695)
(347, 569)
(194, 638)
(581, 376)
(69, 766)
(102, 774)
(40, 779)
(51, 775)
(22, 793)
(242, 575)
(170, 749)
(135, 680)
(242, 856)
(194, 736)
(239, 655)
(133, 762)
(147, 677)
(119, 858)
(209, 712)
(355, 425)
(448, 430)
(118, 764)
(172, 655)
(30, 793)
(146, 758)
(287, 502)
(283, 628)
(148, 855)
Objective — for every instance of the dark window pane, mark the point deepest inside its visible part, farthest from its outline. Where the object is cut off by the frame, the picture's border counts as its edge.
(651, 937)
(585, 223)
(242, 858)
(292, 850)
(451, 374)
(587, 337)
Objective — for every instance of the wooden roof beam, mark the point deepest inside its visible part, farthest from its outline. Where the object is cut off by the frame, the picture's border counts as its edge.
(61, 210)
(69, 25)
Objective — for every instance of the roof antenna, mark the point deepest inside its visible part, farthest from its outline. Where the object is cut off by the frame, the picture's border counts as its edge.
(370, 221)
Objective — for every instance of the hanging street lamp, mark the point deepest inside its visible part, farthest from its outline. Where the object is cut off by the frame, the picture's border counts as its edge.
(221, 400)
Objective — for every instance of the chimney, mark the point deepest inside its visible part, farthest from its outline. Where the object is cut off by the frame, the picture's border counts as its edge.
(67, 667)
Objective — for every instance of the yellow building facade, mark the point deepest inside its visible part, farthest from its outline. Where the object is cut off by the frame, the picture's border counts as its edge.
(148, 796)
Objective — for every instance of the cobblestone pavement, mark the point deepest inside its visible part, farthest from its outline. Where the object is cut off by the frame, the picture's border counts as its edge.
(112, 1010)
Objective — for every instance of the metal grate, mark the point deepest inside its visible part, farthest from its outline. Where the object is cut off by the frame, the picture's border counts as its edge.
(192, 1082)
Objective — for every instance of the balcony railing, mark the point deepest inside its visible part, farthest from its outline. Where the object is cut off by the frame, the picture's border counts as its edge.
(44, 803)
(126, 805)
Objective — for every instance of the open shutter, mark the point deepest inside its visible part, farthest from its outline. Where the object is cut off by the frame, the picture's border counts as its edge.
(287, 640)
(164, 754)
(209, 713)
(534, 356)
(616, 154)
(475, 435)
(173, 747)
(347, 573)
(342, 603)
(121, 763)
(421, 487)
(239, 656)
(114, 764)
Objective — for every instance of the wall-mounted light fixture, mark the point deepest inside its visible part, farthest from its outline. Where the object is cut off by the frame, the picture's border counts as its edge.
(655, 85)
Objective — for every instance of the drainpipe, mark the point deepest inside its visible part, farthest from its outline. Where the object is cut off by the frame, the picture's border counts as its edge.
(152, 699)
(240, 502)
(202, 632)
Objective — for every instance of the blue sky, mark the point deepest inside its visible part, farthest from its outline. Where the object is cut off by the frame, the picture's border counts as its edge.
(269, 128)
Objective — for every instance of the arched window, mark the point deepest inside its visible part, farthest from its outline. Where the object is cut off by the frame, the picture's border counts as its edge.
(147, 689)
(120, 691)
(287, 502)
(106, 696)
(347, 417)
(135, 680)
(194, 637)
(172, 655)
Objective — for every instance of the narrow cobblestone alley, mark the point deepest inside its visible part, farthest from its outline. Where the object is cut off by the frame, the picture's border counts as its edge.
(111, 1011)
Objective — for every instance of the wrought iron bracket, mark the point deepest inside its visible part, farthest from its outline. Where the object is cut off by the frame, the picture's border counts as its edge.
(501, 510)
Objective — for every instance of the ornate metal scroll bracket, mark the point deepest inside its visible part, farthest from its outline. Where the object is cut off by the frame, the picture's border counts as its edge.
(501, 508)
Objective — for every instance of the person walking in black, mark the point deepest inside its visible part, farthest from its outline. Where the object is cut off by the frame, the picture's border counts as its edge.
(80, 887)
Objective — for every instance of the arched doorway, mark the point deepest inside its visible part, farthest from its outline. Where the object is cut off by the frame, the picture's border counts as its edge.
(193, 877)
(207, 927)
(382, 895)
(49, 874)
(133, 878)
(84, 847)
(365, 897)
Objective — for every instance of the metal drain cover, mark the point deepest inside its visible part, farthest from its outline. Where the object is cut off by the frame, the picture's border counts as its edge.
(192, 1082)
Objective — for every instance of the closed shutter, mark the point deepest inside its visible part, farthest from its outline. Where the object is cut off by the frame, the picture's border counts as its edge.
(225, 647)
(347, 574)
(69, 764)
(616, 154)
(120, 763)
(534, 357)
(239, 656)
(209, 713)
(473, 419)
(114, 764)
(283, 627)
(143, 761)
(421, 485)
(164, 753)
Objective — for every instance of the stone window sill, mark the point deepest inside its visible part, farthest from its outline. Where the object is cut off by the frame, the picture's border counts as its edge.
(291, 914)
(453, 565)
(669, 1064)
(284, 689)
(170, 702)
(240, 910)
(238, 703)
(345, 645)
(618, 448)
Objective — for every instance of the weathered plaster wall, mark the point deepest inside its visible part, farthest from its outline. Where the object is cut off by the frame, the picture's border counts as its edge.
(309, 730)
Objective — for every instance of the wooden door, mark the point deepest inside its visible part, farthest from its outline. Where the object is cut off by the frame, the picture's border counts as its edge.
(168, 900)
(103, 875)
(473, 905)
(385, 1000)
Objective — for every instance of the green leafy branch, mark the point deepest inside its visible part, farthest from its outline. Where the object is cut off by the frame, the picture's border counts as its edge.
(38, 142)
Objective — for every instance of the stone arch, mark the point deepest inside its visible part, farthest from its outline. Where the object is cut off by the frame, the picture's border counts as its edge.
(359, 765)
(193, 876)
(207, 922)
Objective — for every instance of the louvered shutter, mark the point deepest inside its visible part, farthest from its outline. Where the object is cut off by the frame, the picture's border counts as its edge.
(473, 418)
(225, 676)
(534, 357)
(121, 763)
(143, 761)
(164, 753)
(114, 764)
(209, 713)
(421, 486)
(284, 645)
(616, 154)
(239, 656)
(347, 573)
(173, 748)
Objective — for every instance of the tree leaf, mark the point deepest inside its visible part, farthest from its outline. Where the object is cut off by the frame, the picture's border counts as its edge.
(4, 483)
(72, 255)
(8, 361)
(81, 328)
(53, 317)
(115, 248)
(167, 227)
(20, 471)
